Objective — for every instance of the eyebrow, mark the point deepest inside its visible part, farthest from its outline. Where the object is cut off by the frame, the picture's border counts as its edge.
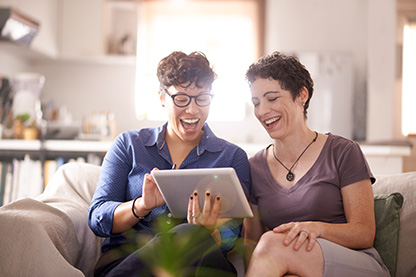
(201, 92)
(266, 93)
(270, 92)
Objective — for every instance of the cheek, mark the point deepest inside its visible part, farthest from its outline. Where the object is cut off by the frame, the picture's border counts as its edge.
(257, 112)
(173, 112)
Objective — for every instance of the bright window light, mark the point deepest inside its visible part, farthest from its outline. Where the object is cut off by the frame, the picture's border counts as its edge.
(225, 31)
(409, 80)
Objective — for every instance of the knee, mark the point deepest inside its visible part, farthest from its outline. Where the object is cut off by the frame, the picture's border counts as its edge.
(269, 242)
(271, 238)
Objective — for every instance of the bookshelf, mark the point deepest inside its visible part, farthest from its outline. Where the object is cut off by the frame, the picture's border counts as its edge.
(27, 165)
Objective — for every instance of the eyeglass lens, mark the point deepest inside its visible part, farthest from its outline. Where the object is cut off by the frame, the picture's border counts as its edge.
(183, 100)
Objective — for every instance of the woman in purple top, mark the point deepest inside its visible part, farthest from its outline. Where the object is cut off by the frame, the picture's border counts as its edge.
(311, 192)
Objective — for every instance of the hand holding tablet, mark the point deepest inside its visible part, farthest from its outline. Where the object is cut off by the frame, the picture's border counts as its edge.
(177, 185)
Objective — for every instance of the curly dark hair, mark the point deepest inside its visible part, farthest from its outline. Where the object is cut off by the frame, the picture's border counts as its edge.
(180, 69)
(287, 70)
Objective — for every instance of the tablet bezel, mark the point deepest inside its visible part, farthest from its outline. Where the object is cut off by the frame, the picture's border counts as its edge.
(176, 186)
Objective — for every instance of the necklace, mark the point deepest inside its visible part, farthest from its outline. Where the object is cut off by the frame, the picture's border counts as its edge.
(290, 176)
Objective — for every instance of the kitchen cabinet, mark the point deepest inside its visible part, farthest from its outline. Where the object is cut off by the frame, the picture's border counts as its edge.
(81, 28)
(98, 28)
(78, 31)
(45, 44)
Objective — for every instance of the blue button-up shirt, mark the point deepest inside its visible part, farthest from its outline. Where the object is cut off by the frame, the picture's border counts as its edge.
(135, 153)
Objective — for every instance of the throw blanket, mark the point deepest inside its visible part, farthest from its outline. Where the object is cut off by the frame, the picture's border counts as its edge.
(49, 235)
(37, 240)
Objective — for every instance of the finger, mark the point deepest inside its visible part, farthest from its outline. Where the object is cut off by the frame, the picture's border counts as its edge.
(190, 208)
(283, 228)
(311, 242)
(302, 237)
(211, 220)
(207, 204)
(215, 211)
(195, 207)
(291, 235)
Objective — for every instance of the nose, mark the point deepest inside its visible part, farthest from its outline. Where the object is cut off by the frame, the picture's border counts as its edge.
(261, 109)
(192, 108)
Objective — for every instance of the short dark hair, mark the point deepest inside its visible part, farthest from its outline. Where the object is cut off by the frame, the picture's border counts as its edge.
(287, 70)
(180, 69)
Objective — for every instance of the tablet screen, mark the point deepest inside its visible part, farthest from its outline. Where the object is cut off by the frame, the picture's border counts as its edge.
(177, 186)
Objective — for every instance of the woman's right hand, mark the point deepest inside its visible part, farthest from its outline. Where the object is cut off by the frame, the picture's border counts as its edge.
(151, 196)
(123, 217)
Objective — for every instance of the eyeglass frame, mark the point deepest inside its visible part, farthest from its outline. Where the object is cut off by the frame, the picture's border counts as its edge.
(190, 98)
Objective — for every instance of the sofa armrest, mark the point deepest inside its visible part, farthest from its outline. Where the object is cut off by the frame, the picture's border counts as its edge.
(405, 184)
(70, 190)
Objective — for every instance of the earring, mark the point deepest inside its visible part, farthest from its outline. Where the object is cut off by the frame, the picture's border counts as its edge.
(303, 103)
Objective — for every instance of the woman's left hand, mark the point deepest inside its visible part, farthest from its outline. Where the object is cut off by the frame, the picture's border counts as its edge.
(300, 232)
(208, 217)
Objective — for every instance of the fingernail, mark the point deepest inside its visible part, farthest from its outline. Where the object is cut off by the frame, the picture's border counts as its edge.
(192, 197)
(207, 193)
(218, 198)
(195, 193)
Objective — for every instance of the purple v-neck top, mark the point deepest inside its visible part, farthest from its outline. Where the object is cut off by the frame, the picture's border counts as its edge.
(317, 195)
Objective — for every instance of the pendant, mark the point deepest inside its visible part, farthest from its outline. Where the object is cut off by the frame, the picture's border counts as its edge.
(290, 176)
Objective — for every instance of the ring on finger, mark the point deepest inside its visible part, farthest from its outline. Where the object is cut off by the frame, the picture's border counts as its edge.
(194, 216)
(307, 233)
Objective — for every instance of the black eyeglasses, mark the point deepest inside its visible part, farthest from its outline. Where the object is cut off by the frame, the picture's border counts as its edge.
(183, 100)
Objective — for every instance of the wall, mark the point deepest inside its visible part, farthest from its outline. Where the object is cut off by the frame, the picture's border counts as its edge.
(309, 31)
(324, 26)
(84, 87)
(381, 68)
(341, 26)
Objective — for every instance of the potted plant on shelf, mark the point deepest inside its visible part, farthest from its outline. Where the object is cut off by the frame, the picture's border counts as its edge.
(23, 129)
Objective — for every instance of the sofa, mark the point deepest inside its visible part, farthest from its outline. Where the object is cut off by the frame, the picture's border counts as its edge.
(49, 235)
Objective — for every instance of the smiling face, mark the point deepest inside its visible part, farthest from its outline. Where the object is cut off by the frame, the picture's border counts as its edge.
(275, 108)
(185, 123)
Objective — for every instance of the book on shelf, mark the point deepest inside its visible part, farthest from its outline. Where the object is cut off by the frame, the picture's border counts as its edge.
(28, 178)
(8, 176)
(3, 171)
(50, 167)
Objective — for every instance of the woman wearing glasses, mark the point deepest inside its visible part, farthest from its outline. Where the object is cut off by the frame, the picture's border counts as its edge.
(127, 205)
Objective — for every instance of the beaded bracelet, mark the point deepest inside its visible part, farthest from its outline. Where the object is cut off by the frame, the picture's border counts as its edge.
(132, 210)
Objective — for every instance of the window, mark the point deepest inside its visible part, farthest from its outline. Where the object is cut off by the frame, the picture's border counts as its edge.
(227, 32)
(409, 81)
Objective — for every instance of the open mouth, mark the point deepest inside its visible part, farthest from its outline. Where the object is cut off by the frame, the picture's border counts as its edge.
(271, 121)
(190, 124)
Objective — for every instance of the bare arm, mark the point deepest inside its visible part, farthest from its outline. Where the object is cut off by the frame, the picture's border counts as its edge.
(357, 233)
(252, 230)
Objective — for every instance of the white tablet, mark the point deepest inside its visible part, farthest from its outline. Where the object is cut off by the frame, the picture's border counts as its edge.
(177, 186)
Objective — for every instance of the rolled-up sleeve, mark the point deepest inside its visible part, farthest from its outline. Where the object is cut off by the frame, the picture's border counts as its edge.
(110, 190)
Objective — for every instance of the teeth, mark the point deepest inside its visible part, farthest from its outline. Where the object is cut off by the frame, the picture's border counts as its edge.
(270, 121)
(190, 121)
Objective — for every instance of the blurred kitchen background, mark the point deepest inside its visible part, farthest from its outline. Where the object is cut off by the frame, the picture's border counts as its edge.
(91, 66)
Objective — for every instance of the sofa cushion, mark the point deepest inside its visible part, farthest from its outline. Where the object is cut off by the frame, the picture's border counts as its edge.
(386, 209)
(405, 184)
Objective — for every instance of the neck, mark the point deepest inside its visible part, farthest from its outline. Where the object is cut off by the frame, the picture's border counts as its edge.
(179, 148)
(289, 147)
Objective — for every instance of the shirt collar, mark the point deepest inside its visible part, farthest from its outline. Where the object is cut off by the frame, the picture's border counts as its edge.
(208, 140)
